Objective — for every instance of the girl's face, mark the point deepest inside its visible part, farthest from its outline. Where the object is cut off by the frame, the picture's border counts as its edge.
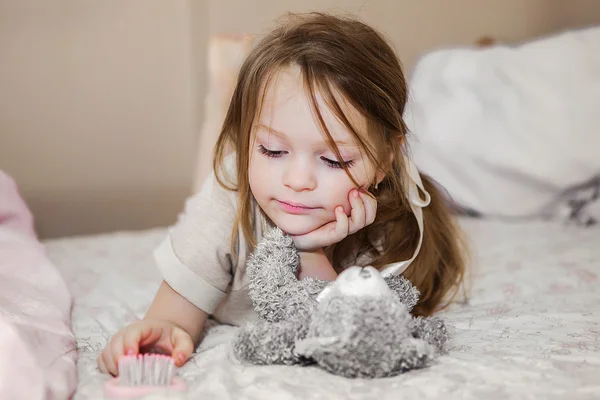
(294, 176)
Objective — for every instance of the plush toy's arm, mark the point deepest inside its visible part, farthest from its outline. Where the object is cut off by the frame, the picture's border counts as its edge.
(433, 330)
(265, 343)
(274, 288)
(407, 293)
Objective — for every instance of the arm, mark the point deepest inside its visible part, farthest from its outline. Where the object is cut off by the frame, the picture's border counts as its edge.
(195, 260)
(168, 305)
(315, 264)
(433, 330)
(172, 325)
(273, 271)
(267, 343)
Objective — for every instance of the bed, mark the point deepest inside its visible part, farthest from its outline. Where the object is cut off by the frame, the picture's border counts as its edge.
(531, 328)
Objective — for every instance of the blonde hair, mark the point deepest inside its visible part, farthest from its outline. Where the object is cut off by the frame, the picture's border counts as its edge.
(343, 56)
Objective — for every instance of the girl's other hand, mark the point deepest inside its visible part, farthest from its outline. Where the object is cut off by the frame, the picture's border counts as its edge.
(144, 336)
(363, 208)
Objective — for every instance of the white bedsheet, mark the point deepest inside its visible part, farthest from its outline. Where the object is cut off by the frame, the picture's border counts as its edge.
(531, 329)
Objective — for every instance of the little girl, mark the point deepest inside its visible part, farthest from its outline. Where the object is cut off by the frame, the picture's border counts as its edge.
(314, 143)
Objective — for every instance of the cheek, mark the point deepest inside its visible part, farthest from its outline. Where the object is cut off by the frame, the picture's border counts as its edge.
(339, 187)
(256, 177)
(337, 192)
(264, 178)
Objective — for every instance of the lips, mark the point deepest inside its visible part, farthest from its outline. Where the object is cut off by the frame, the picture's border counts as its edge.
(295, 208)
(298, 205)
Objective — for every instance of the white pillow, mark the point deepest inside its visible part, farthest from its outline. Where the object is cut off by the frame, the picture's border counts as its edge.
(506, 130)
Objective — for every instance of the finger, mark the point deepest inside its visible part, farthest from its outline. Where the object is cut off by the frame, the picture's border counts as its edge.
(131, 341)
(319, 238)
(107, 361)
(357, 213)
(183, 346)
(163, 345)
(370, 207)
(101, 365)
(115, 352)
(341, 226)
(146, 336)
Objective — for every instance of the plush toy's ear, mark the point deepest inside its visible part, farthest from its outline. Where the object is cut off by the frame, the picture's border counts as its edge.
(406, 292)
(308, 347)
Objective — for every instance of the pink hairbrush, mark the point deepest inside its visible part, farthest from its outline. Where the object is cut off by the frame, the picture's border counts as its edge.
(143, 374)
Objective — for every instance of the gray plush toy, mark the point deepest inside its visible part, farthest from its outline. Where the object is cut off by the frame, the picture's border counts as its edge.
(358, 326)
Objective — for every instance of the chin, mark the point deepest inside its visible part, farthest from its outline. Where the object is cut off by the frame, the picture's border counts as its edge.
(296, 225)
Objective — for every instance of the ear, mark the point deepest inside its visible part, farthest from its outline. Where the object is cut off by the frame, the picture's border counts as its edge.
(379, 176)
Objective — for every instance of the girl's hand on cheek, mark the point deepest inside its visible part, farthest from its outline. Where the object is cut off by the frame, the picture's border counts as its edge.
(363, 208)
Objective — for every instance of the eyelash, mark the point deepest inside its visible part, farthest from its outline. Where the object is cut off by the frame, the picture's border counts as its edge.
(337, 164)
(330, 163)
(269, 153)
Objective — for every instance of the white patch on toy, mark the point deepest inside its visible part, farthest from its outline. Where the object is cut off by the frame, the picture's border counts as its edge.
(357, 281)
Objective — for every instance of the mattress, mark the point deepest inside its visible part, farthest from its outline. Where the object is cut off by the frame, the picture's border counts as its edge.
(530, 329)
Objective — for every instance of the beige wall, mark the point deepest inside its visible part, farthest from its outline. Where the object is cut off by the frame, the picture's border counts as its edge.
(100, 101)
(99, 109)
(412, 26)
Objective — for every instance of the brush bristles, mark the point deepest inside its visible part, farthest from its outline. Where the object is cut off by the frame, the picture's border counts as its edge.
(147, 370)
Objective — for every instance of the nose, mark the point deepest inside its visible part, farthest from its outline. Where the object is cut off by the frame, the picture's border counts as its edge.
(299, 176)
(364, 273)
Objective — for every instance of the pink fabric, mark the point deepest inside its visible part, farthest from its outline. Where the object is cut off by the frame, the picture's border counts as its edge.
(37, 345)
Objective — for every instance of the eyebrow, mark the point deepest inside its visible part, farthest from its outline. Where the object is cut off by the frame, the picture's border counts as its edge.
(272, 130)
(282, 135)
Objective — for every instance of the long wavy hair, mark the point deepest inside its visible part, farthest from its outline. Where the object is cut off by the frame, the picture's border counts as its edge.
(343, 56)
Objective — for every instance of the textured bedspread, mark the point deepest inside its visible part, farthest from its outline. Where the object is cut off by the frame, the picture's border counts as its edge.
(530, 330)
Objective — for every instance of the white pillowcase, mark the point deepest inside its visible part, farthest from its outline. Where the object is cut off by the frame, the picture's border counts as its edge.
(506, 130)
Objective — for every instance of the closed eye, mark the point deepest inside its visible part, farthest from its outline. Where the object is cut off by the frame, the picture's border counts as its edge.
(337, 164)
(270, 153)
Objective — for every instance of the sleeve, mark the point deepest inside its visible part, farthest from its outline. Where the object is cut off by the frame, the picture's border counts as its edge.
(195, 258)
